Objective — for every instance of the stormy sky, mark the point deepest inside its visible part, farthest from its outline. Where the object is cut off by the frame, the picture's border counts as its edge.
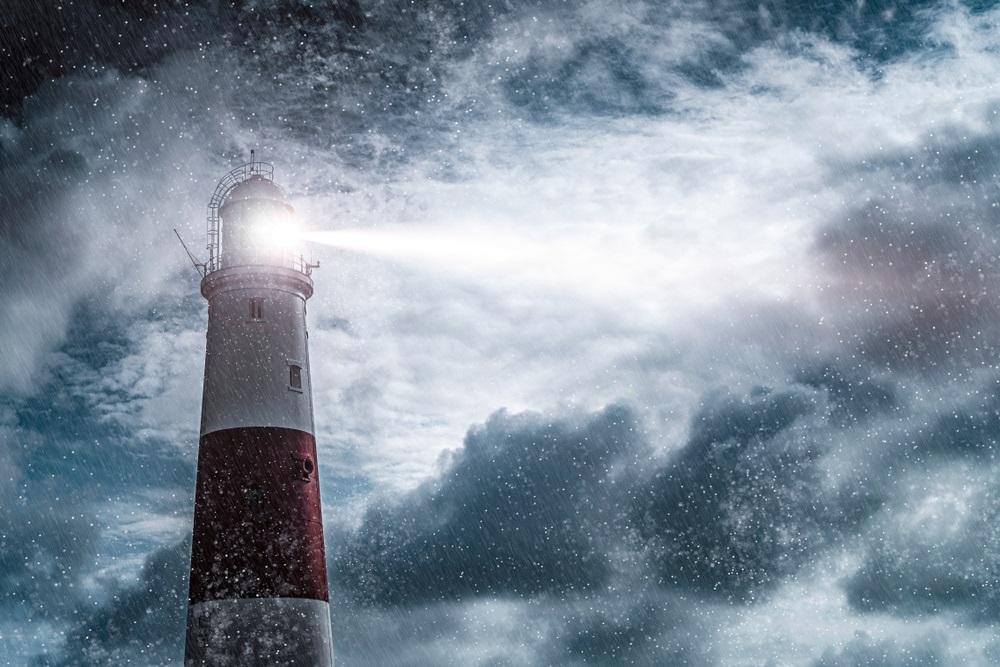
(668, 336)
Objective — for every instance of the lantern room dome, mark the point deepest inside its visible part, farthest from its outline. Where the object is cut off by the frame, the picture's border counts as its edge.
(256, 187)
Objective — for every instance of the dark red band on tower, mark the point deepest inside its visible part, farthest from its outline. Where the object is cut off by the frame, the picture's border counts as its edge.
(258, 527)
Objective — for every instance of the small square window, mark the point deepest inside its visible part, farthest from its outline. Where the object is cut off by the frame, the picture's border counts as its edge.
(294, 376)
(256, 308)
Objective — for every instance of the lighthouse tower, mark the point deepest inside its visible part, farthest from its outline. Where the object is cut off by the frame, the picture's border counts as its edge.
(258, 592)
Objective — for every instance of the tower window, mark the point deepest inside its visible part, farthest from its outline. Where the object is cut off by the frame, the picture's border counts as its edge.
(256, 308)
(294, 377)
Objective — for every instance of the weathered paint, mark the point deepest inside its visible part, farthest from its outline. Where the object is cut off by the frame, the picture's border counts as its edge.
(261, 631)
(258, 527)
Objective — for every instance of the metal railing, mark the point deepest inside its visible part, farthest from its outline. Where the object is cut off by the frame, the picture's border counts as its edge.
(283, 259)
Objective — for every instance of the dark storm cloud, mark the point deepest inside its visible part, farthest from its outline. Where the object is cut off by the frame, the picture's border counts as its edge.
(90, 180)
(914, 292)
(912, 582)
(879, 30)
(643, 631)
(600, 76)
(548, 510)
(970, 430)
(332, 74)
(412, 636)
(45, 548)
(30, 199)
(43, 40)
(66, 436)
(628, 628)
(612, 637)
(627, 623)
(855, 397)
(609, 75)
(914, 282)
(864, 651)
(520, 510)
(914, 268)
(952, 158)
(742, 506)
(738, 509)
(63, 463)
(61, 535)
(916, 278)
(365, 81)
(936, 549)
(913, 565)
(140, 622)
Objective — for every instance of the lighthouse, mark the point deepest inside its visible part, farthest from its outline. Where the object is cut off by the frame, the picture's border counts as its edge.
(258, 589)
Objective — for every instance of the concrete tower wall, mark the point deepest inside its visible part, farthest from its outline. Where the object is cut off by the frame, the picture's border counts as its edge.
(256, 335)
(258, 592)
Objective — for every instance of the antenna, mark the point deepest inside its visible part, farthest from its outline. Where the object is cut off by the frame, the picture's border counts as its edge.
(198, 266)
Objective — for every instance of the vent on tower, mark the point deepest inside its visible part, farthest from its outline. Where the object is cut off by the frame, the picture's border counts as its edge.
(295, 377)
